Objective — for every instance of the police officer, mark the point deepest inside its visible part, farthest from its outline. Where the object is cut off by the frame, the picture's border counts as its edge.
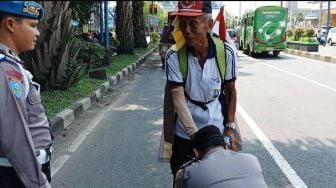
(25, 136)
(217, 167)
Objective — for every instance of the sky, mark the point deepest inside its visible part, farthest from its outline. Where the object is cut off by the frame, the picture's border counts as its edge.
(233, 6)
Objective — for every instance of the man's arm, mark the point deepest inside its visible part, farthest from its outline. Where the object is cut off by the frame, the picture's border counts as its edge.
(182, 109)
(231, 101)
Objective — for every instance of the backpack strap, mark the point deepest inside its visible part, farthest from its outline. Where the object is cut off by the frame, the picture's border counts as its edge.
(183, 62)
(220, 59)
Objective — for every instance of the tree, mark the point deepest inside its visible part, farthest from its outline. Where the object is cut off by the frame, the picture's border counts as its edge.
(124, 27)
(300, 17)
(82, 10)
(54, 61)
(139, 24)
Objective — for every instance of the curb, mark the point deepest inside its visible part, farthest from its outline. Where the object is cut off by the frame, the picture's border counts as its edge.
(64, 118)
(312, 55)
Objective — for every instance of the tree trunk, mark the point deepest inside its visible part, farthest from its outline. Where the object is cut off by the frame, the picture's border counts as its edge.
(124, 27)
(139, 24)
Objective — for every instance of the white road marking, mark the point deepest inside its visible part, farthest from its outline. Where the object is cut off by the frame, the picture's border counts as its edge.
(58, 164)
(278, 158)
(301, 77)
(82, 136)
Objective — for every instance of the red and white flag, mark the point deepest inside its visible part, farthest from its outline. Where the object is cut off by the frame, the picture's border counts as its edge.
(219, 27)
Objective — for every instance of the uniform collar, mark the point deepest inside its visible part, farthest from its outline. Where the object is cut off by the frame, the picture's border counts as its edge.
(9, 53)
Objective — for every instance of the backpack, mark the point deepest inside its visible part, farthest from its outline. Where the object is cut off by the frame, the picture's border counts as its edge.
(169, 115)
(220, 57)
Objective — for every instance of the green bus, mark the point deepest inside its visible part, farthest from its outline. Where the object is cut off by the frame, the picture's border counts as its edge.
(264, 30)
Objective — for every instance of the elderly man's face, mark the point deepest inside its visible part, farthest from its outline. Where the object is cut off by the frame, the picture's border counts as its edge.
(194, 29)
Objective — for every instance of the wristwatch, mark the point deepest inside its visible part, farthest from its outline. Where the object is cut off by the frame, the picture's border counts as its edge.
(231, 125)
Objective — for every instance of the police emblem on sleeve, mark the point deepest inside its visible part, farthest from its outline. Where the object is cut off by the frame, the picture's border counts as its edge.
(15, 83)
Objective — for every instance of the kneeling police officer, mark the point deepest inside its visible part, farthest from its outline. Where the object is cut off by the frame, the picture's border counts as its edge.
(217, 167)
(25, 134)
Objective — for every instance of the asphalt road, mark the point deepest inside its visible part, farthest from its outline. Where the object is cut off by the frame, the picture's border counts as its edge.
(286, 112)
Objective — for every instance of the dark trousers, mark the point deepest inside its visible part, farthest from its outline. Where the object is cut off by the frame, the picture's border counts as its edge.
(9, 178)
(182, 152)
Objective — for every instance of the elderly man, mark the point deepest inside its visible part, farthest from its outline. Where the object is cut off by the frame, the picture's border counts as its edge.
(198, 97)
(217, 167)
(25, 135)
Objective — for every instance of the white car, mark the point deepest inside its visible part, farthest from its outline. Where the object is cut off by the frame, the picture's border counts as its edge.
(331, 38)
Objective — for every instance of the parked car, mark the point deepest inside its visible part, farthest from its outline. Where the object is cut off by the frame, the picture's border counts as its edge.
(331, 38)
(234, 36)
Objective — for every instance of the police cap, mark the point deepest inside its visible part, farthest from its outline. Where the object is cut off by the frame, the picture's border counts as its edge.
(208, 136)
(24, 9)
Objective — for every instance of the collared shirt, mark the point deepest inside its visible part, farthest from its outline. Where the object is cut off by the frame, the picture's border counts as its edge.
(221, 168)
(202, 85)
(24, 128)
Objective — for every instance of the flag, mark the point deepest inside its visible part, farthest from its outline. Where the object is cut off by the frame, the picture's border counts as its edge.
(219, 27)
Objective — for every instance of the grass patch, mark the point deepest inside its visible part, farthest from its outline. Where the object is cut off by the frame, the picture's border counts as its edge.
(56, 100)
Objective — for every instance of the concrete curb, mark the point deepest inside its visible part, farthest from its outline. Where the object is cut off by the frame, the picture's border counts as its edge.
(64, 118)
(312, 55)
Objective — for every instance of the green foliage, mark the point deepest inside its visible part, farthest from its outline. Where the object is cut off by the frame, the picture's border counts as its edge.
(310, 33)
(56, 100)
(114, 43)
(163, 16)
(298, 33)
(289, 33)
(82, 10)
(91, 53)
(155, 37)
(291, 38)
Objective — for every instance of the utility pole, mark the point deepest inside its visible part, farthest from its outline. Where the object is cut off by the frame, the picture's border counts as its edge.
(107, 44)
(320, 16)
(328, 21)
(153, 15)
(239, 10)
(101, 22)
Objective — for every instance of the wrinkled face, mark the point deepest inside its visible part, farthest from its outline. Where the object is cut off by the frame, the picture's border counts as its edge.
(25, 34)
(194, 29)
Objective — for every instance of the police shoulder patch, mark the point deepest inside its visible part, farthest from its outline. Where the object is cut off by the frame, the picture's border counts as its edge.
(15, 82)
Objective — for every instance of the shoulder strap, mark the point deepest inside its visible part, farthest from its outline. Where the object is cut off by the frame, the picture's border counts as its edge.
(183, 61)
(220, 59)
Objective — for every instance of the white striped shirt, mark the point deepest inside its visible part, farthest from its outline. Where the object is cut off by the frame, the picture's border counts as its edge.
(202, 85)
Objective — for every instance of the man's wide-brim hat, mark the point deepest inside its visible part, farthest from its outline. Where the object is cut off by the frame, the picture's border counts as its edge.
(23, 9)
(193, 8)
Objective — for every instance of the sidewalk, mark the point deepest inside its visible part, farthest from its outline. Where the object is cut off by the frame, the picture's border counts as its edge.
(322, 54)
(64, 118)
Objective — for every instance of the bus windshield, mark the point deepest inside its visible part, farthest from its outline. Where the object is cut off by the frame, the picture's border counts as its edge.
(270, 25)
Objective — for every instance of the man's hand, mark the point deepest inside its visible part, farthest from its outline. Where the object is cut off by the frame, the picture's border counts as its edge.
(230, 133)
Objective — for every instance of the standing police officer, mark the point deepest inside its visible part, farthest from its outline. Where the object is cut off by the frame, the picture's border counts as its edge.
(25, 136)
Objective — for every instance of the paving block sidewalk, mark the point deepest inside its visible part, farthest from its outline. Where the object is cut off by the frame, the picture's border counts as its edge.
(312, 55)
(64, 118)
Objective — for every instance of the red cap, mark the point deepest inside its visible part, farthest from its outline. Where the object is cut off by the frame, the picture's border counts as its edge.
(193, 8)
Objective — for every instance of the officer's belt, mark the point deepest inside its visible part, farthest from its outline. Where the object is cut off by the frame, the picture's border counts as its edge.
(42, 157)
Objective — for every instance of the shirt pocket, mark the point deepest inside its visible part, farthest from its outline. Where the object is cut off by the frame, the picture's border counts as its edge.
(213, 88)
